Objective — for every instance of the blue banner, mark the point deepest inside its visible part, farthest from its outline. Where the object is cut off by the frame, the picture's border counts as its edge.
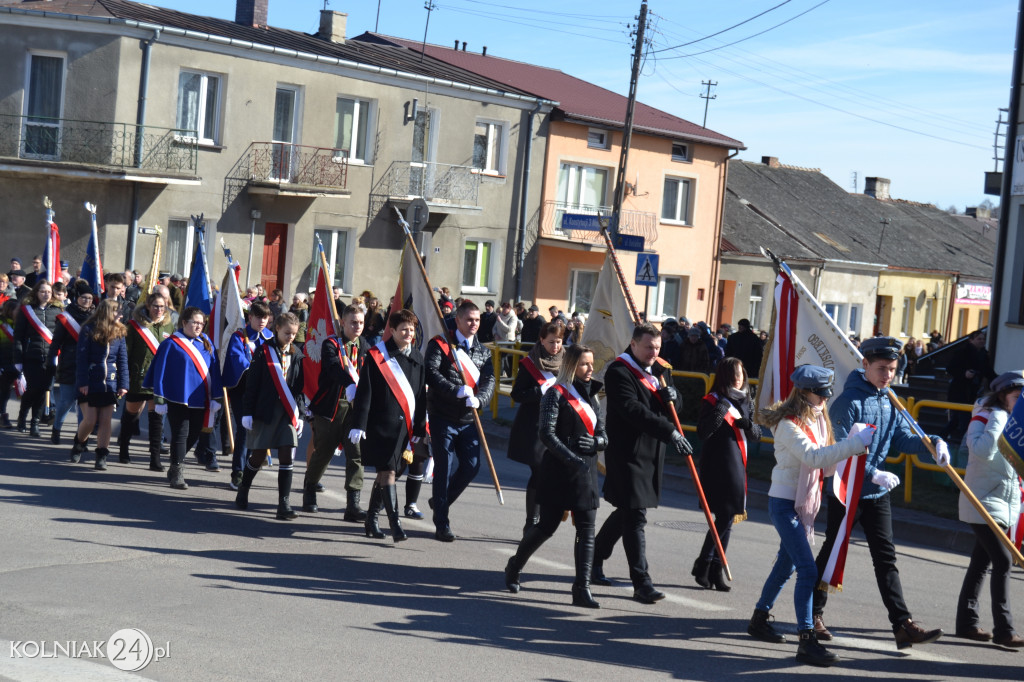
(92, 269)
(1011, 442)
(198, 291)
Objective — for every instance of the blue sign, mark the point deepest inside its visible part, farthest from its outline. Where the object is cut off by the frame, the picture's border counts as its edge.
(581, 221)
(629, 242)
(647, 269)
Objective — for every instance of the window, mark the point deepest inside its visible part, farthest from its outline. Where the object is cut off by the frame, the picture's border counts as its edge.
(675, 202)
(476, 266)
(854, 324)
(907, 319)
(598, 139)
(581, 189)
(581, 290)
(756, 304)
(961, 322)
(666, 298)
(982, 318)
(180, 246)
(680, 151)
(44, 101)
(487, 147)
(336, 252)
(929, 315)
(199, 106)
(351, 126)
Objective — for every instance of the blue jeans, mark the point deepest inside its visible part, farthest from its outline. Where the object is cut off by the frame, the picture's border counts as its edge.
(794, 554)
(456, 449)
(67, 395)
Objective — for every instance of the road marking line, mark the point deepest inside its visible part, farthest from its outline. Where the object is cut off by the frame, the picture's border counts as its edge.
(889, 647)
(537, 560)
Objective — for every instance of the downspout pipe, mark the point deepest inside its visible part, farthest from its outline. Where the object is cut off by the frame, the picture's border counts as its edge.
(712, 307)
(140, 122)
(524, 200)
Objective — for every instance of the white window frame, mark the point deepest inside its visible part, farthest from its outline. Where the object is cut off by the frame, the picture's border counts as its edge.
(854, 318)
(493, 166)
(574, 274)
(370, 113)
(190, 238)
(690, 201)
(203, 94)
(756, 305)
(331, 255)
(907, 316)
(63, 97)
(488, 276)
(687, 152)
(605, 141)
(929, 315)
(658, 298)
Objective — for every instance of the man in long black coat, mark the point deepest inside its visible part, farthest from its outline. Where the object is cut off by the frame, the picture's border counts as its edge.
(745, 345)
(638, 427)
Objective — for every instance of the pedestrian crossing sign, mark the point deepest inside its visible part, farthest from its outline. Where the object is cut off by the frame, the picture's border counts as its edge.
(647, 269)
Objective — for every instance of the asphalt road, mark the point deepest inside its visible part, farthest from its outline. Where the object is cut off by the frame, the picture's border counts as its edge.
(230, 595)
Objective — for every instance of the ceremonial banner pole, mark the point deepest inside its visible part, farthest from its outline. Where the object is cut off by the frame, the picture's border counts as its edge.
(916, 428)
(330, 301)
(454, 355)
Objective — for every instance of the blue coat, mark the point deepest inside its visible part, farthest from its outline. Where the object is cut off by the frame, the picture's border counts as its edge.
(173, 377)
(861, 402)
(103, 367)
(238, 356)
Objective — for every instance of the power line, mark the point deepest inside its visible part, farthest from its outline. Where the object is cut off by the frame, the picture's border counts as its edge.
(506, 19)
(546, 13)
(724, 30)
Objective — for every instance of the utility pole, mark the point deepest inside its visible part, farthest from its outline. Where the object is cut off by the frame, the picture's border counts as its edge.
(430, 7)
(620, 179)
(707, 97)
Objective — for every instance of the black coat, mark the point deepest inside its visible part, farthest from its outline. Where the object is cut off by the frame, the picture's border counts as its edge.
(444, 381)
(560, 425)
(638, 428)
(29, 346)
(486, 332)
(962, 389)
(377, 412)
(531, 329)
(523, 444)
(746, 346)
(333, 377)
(61, 354)
(261, 399)
(723, 474)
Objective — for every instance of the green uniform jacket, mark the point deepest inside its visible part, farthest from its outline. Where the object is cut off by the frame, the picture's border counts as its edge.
(139, 355)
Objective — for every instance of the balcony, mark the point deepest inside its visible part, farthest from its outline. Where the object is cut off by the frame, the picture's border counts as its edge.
(445, 187)
(549, 223)
(296, 170)
(97, 149)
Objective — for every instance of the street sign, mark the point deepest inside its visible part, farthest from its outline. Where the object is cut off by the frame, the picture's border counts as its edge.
(417, 214)
(581, 221)
(647, 269)
(148, 230)
(629, 242)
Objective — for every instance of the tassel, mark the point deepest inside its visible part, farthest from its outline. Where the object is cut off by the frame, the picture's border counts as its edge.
(825, 587)
(740, 517)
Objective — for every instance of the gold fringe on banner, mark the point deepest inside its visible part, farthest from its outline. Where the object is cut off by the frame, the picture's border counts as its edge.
(825, 587)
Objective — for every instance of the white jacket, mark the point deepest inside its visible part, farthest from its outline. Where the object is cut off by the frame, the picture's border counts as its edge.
(793, 448)
(989, 476)
(506, 328)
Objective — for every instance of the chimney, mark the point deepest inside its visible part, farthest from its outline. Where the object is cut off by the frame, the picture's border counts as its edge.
(456, 43)
(463, 46)
(770, 161)
(484, 53)
(332, 26)
(978, 212)
(877, 187)
(251, 13)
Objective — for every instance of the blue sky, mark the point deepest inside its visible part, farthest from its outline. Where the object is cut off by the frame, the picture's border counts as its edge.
(907, 90)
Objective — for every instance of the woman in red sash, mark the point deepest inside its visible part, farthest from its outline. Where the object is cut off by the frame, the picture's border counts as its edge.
(33, 333)
(390, 413)
(726, 431)
(572, 431)
(63, 352)
(8, 375)
(537, 372)
(272, 411)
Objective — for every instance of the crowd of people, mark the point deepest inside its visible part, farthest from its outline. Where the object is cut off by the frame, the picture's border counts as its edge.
(399, 410)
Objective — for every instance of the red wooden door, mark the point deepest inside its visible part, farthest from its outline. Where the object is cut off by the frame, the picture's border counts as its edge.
(275, 238)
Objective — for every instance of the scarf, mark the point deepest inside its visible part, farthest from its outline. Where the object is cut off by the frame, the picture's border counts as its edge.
(736, 397)
(544, 360)
(809, 482)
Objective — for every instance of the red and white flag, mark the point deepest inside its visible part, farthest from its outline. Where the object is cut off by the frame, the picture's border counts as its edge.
(51, 256)
(319, 327)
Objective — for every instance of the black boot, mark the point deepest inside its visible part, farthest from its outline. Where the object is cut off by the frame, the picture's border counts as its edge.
(128, 423)
(532, 509)
(700, 572)
(176, 476)
(391, 507)
(309, 500)
(22, 415)
(812, 652)
(531, 542)
(101, 459)
(284, 489)
(412, 494)
(597, 576)
(760, 627)
(76, 450)
(5, 422)
(55, 435)
(584, 552)
(242, 496)
(352, 511)
(156, 439)
(33, 428)
(716, 575)
(370, 523)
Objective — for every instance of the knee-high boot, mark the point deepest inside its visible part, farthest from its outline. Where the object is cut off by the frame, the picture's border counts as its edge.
(156, 439)
(584, 552)
(412, 494)
(391, 507)
(532, 509)
(129, 422)
(370, 523)
(533, 538)
(242, 496)
(284, 489)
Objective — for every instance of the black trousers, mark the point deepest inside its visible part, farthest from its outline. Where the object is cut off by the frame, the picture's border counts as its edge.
(723, 524)
(875, 519)
(37, 382)
(988, 550)
(186, 426)
(627, 524)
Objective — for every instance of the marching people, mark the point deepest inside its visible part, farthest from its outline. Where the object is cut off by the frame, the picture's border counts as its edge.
(456, 391)
(638, 428)
(998, 488)
(8, 375)
(864, 399)
(185, 379)
(149, 326)
(241, 347)
(341, 360)
(62, 352)
(33, 333)
(725, 429)
(805, 452)
(272, 410)
(572, 432)
(101, 362)
(389, 414)
(537, 373)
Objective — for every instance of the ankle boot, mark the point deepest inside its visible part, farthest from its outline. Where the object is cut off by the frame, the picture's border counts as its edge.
(812, 652)
(284, 489)
(176, 476)
(33, 428)
(597, 576)
(128, 423)
(584, 555)
(531, 542)
(532, 509)
(242, 496)
(22, 416)
(55, 435)
(761, 627)
(700, 573)
(352, 510)
(156, 439)
(309, 499)
(716, 576)
(5, 422)
(101, 459)
(370, 523)
(76, 450)
(391, 507)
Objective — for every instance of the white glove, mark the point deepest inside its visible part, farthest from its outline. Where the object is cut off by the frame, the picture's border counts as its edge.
(473, 401)
(160, 408)
(941, 453)
(350, 392)
(247, 423)
(464, 392)
(355, 435)
(17, 366)
(885, 479)
(298, 428)
(215, 407)
(865, 435)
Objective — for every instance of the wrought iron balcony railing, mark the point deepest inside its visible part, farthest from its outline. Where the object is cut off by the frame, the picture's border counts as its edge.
(438, 183)
(639, 223)
(98, 143)
(279, 162)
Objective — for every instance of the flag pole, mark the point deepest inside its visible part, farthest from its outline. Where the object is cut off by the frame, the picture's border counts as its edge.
(330, 291)
(200, 225)
(914, 426)
(224, 390)
(454, 355)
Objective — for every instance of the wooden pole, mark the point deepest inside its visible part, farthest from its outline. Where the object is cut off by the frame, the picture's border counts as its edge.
(227, 416)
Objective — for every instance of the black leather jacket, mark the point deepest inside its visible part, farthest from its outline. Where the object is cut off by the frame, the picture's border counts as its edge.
(444, 382)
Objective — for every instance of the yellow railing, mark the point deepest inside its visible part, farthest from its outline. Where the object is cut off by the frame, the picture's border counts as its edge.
(911, 462)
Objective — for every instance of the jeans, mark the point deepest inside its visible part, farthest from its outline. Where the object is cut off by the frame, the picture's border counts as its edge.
(456, 463)
(628, 524)
(987, 550)
(67, 395)
(794, 554)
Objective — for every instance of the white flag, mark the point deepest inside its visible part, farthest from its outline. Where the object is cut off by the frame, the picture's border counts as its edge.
(610, 325)
(229, 315)
(413, 293)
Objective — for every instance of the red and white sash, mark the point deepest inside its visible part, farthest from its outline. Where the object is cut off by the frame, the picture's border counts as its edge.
(202, 368)
(846, 486)
(40, 328)
(147, 335)
(741, 437)
(470, 372)
(281, 384)
(582, 407)
(347, 364)
(545, 379)
(6, 330)
(646, 378)
(398, 383)
(70, 324)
